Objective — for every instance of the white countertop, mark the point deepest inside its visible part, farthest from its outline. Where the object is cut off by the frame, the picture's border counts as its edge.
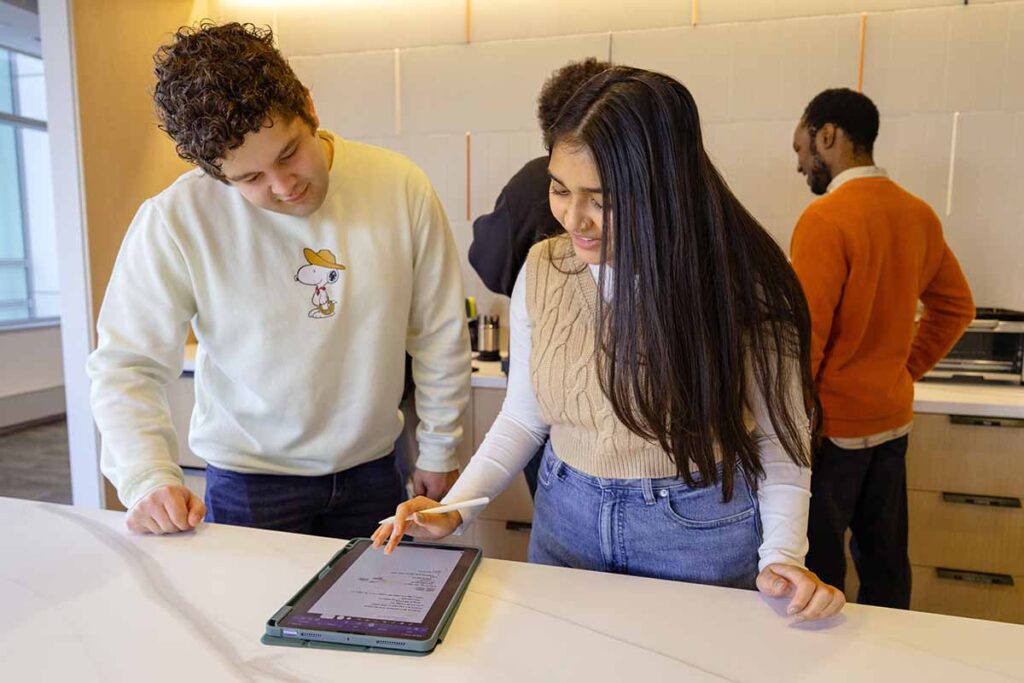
(980, 400)
(85, 600)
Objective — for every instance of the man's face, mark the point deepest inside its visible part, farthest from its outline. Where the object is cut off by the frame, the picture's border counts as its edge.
(809, 162)
(281, 168)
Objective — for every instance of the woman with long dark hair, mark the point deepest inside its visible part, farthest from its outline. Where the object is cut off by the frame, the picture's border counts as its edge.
(664, 346)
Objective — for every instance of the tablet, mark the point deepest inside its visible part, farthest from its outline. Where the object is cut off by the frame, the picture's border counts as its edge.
(364, 599)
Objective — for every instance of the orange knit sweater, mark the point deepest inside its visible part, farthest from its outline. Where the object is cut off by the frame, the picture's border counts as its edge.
(865, 254)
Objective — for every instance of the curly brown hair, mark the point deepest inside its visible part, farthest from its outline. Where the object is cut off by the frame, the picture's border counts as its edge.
(561, 86)
(218, 83)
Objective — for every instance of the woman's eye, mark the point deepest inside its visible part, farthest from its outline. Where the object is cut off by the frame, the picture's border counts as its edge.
(560, 193)
(597, 205)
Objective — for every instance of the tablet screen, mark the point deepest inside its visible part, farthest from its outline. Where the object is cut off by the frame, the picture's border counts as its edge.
(404, 594)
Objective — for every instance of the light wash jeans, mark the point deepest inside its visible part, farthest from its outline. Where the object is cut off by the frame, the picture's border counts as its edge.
(659, 528)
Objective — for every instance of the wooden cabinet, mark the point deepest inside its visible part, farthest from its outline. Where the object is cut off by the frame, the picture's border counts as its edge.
(503, 528)
(965, 482)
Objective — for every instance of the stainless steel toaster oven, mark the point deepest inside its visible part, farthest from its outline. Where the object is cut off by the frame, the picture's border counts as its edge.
(991, 350)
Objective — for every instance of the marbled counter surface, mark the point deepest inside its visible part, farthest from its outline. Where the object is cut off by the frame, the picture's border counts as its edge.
(85, 600)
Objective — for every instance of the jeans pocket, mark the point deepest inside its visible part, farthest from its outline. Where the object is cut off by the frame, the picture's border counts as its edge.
(545, 474)
(704, 509)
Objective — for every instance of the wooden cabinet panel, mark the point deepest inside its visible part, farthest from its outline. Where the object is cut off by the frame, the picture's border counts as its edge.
(502, 540)
(967, 598)
(515, 503)
(977, 458)
(486, 406)
(948, 531)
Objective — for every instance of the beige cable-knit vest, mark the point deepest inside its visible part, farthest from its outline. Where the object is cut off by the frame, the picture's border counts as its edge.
(561, 300)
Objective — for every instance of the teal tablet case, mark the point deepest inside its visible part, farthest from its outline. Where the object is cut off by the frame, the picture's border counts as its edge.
(273, 637)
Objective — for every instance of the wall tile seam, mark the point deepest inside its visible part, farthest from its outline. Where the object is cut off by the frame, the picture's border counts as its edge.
(703, 23)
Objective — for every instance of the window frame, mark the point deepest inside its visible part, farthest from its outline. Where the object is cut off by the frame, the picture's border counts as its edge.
(18, 123)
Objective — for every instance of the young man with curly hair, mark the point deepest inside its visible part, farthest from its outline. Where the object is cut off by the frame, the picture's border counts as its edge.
(308, 265)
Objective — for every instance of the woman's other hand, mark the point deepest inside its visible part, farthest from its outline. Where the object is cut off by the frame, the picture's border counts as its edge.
(811, 598)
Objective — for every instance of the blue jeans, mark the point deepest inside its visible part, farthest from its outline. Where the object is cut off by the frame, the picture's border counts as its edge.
(346, 504)
(659, 528)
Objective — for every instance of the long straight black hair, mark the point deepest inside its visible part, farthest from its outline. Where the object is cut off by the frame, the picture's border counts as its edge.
(703, 298)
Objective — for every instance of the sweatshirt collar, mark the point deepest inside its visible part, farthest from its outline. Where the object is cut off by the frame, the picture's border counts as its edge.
(855, 173)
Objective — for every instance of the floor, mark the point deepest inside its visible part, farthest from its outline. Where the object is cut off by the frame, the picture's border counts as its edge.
(34, 463)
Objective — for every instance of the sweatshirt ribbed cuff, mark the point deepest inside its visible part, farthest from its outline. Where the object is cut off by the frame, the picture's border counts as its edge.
(143, 486)
(434, 459)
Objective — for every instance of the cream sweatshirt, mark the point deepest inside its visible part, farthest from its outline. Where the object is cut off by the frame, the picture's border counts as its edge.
(301, 366)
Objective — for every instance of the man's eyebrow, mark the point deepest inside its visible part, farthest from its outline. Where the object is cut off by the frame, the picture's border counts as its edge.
(591, 190)
(284, 150)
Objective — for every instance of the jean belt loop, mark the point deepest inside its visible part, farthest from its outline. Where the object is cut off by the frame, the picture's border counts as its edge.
(648, 488)
(556, 471)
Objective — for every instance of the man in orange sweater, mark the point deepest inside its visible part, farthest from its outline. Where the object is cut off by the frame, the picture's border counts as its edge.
(866, 252)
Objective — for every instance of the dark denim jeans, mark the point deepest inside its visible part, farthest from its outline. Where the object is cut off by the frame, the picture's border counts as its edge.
(659, 528)
(346, 504)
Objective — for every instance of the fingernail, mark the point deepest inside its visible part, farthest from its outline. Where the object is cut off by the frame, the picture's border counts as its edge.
(791, 610)
(779, 585)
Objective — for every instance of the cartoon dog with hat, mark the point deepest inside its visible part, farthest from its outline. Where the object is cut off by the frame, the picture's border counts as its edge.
(321, 269)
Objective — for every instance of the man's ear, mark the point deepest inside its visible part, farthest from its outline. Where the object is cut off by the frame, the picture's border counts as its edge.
(828, 136)
(311, 108)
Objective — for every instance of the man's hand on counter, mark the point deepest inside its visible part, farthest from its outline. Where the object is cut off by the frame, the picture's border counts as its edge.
(811, 598)
(166, 510)
(433, 484)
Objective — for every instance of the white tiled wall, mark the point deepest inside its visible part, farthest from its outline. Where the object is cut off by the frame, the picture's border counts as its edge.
(504, 19)
(312, 27)
(751, 65)
(484, 86)
(720, 11)
(984, 226)
(354, 93)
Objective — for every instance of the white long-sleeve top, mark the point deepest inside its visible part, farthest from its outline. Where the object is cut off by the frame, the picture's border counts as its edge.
(783, 495)
(301, 365)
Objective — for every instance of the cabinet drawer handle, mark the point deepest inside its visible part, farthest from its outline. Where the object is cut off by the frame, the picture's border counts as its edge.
(974, 577)
(987, 501)
(518, 526)
(977, 421)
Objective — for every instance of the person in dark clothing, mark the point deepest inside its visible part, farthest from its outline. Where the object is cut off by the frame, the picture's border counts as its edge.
(522, 215)
(521, 218)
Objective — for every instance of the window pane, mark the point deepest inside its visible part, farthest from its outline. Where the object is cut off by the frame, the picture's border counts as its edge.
(12, 285)
(30, 87)
(42, 235)
(12, 244)
(6, 86)
(12, 313)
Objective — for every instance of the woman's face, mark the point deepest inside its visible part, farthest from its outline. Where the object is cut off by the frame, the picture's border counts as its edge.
(576, 199)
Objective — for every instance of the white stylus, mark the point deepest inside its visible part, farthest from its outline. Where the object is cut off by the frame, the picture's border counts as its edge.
(476, 502)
